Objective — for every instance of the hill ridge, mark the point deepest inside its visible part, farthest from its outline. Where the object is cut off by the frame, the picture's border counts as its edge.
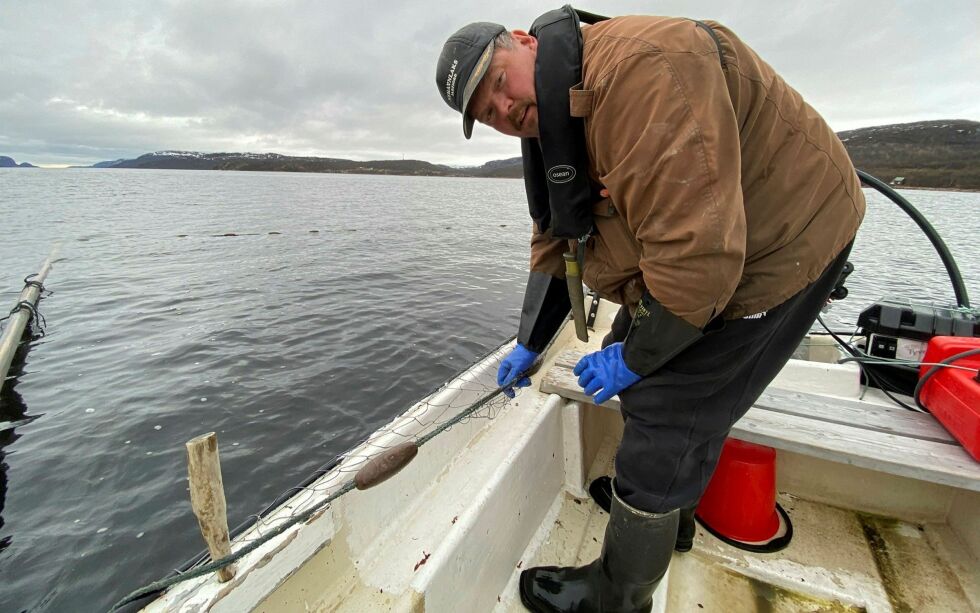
(938, 154)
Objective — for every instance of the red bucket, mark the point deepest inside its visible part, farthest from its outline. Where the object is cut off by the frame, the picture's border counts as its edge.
(740, 502)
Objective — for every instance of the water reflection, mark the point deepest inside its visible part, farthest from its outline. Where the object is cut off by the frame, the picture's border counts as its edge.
(13, 413)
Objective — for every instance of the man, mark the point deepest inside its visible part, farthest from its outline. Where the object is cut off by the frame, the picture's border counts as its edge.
(700, 192)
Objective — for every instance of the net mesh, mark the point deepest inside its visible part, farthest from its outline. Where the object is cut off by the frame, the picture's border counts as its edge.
(449, 405)
(471, 394)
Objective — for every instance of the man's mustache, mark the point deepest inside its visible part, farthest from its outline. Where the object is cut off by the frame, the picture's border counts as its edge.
(516, 112)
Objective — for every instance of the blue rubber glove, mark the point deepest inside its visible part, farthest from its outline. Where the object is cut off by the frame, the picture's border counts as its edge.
(516, 362)
(605, 370)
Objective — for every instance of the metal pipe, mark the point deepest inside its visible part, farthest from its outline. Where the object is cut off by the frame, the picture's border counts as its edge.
(18, 320)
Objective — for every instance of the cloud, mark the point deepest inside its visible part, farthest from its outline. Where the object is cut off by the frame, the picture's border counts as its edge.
(82, 82)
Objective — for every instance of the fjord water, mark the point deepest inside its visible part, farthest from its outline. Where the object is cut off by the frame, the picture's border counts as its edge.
(339, 301)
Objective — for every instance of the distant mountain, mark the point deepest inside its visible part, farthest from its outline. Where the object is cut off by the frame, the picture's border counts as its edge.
(943, 154)
(7, 162)
(191, 160)
(103, 164)
(512, 168)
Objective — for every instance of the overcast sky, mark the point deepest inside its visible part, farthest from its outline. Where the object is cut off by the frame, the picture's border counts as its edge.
(82, 82)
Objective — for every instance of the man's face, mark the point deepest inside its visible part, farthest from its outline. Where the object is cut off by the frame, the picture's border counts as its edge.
(505, 100)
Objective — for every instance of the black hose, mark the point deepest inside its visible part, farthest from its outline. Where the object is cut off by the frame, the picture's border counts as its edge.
(959, 288)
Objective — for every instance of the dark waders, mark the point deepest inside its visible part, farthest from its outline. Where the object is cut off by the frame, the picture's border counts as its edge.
(676, 421)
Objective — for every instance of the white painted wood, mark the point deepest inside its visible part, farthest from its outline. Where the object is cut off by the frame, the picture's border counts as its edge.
(855, 413)
(848, 431)
(918, 459)
(964, 522)
(474, 561)
(820, 378)
(572, 445)
(864, 490)
(559, 380)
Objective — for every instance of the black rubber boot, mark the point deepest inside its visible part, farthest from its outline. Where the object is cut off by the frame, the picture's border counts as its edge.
(601, 492)
(685, 530)
(635, 556)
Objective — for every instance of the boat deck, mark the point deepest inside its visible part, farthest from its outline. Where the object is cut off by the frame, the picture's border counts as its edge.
(838, 560)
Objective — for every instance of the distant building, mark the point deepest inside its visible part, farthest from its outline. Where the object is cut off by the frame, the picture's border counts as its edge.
(898, 181)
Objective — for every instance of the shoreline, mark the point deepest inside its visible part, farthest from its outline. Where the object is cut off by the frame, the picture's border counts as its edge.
(972, 190)
(420, 174)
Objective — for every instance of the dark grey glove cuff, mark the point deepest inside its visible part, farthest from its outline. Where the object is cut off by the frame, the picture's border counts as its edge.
(655, 336)
(546, 305)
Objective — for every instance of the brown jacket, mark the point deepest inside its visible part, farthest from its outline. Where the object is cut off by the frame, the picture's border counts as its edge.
(728, 192)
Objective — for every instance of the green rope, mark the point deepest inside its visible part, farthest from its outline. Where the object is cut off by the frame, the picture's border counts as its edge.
(463, 414)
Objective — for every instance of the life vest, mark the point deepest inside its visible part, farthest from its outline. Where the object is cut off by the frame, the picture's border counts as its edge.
(560, 192)
(560, 195)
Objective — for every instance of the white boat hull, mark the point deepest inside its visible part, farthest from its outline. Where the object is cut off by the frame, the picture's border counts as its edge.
(490, 497)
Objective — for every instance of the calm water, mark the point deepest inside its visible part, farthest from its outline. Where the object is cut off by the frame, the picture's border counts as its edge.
(343, 300)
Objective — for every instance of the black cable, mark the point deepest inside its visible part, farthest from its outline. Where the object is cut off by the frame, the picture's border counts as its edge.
(33, 316)
(870, 359)
(959, 288)
(29, 282)
(867, 371)
(932, 371)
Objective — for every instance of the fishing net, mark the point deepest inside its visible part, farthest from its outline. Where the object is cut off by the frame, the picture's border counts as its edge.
(470, 394)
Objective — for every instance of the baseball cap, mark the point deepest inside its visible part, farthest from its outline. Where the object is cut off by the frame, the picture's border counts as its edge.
(464, 60)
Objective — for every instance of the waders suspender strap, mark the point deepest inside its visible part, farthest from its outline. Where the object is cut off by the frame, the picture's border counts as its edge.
(714, 37)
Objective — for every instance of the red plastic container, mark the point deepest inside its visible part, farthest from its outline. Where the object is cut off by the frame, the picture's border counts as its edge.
(952, 395)
(740, 502)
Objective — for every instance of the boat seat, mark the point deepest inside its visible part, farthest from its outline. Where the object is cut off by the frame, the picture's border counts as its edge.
(862, 434)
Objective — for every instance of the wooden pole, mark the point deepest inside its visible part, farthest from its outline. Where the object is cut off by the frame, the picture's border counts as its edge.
(208, 498)
(18, 321)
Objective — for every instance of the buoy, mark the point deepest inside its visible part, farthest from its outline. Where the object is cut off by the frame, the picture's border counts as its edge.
(385, 466)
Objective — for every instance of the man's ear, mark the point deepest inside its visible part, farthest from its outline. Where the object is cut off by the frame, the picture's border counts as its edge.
(523, 38)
